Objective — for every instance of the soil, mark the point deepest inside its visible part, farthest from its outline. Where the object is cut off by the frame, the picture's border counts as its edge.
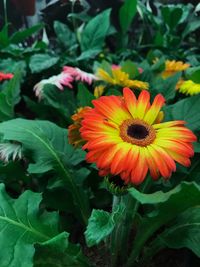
(165, 258)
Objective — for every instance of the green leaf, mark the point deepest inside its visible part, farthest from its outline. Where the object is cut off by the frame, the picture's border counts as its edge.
(100, 225)
(95, 31)
(191, 27)
(159, 65)
(91, 53)
(171, 15)
(129, 67)
(158, 39)
(40, 62)
(113, 91)
(193, 74)
(65, 36)
(84, 97)
(10, 65)
(184, 232)
(166, 207)
(63, 101)
(166, 87)
(20, 36)
(47, 142)
(21, 226)
(127, 13)
(4, 39)
(59, 252)
(10, 96)
(187, 110)
(105, 65)
(49, 151)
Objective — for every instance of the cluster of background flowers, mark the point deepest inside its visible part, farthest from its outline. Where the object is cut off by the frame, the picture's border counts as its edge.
(115, 75)
(184, 86)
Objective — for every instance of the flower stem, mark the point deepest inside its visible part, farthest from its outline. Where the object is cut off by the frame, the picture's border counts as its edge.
(121, 234)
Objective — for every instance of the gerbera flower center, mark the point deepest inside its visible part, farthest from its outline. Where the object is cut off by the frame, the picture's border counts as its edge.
(137, 132)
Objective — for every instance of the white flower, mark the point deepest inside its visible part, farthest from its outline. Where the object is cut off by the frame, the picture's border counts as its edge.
(10, 151)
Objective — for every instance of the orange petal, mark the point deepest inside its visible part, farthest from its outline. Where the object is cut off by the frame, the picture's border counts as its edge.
(130, 101)
(161, 164)
(142, 104)
(139, 173)
(154, 110)
(112, 107)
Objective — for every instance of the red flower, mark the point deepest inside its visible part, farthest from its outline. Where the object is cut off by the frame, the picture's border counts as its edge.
(5, 76)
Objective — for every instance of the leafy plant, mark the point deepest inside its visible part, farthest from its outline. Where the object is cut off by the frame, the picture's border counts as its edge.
(61, 92)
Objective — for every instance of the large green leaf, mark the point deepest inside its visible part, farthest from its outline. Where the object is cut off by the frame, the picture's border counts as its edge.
(171, 15)
(88, 54)
(48, 143)
(127, 13)
(129, 67)
(95, 31)
(65, 36)
(166, 207)
(10, 65)
(4, 39)
(187, 110)
(184, 232)
(166, 87)
(63, 101)
(20, 36)
(84, 96)
(59, 252)
(40, 62)
(47, 147)
(193, 74)
(10, 96)
(191, 27)
(21, 226)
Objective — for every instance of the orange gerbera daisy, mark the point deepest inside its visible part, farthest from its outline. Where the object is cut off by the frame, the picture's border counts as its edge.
(125, 137)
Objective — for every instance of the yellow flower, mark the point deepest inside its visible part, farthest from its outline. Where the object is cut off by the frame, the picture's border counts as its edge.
(172, 67)
(190, 88)
(121, 78)
(99, 90)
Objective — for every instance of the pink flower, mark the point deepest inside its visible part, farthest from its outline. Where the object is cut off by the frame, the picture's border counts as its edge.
(115, 67)
(67, 76)
(140, 70)
(5, 76)
(60, 80)
(79, 74)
